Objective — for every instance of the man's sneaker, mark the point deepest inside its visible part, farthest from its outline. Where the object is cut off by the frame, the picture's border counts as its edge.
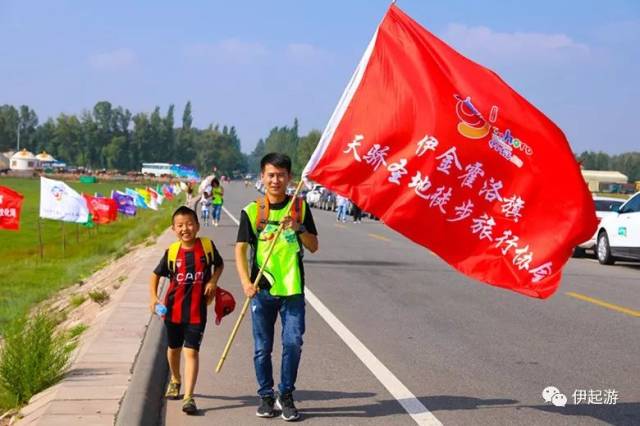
(173, 390)
(266, 407)
(285, 404)
(189, 406)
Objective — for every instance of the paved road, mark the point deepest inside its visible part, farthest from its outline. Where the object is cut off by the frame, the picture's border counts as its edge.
(467, 352)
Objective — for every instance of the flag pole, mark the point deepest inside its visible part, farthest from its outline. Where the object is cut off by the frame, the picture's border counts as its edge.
(40, 239)
(64, 241)
(247, 300)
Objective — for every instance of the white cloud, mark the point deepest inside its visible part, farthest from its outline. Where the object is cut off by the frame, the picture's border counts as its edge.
(116, 60)
(483, 42)
(229, 50)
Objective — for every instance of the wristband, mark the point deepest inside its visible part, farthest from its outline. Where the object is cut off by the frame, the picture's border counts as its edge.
(301, 229)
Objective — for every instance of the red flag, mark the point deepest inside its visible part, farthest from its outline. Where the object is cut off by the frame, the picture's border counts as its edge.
(10, 207)
(446, 153)
(167, 192)
(103, 210)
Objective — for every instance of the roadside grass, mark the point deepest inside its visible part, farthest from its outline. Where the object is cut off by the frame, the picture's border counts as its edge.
(28, 280)
(77, 300)
(99, 296)
(33, 354)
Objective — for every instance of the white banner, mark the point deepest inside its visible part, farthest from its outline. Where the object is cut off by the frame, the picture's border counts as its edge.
(59, 201)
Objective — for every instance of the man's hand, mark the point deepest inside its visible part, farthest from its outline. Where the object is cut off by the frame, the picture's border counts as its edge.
(210, 292)
(249, 289)
(288, 222)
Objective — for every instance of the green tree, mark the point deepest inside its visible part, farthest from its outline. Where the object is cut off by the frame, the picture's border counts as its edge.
(116, 154)
(305, 148)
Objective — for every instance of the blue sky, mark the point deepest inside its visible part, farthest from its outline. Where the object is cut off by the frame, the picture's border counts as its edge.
(258, 64)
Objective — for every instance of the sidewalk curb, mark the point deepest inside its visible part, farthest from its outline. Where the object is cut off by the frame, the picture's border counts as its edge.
(142, 402)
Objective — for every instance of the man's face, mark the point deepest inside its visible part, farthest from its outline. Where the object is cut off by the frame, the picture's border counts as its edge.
(275, 180)
(185, 227)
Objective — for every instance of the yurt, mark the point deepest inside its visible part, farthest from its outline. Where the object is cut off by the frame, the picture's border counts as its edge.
(23, 160)
(45, 157)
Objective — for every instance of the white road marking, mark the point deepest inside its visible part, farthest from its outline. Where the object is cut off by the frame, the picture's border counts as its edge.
(420, 414)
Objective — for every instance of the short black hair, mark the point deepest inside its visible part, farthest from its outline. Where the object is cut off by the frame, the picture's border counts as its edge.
(215, 182)
(184, 211)
(281, 161)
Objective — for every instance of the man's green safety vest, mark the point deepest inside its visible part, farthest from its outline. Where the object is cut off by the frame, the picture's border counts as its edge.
(283, 270)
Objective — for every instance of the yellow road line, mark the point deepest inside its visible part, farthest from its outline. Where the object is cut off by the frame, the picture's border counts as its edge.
(604, 304)
(379, 237)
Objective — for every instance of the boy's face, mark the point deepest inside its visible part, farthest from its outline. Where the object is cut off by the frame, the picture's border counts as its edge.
(185, 227)
(275, 179)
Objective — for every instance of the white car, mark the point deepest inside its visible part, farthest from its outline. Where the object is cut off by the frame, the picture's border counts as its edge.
(619, 234)
(605, 206)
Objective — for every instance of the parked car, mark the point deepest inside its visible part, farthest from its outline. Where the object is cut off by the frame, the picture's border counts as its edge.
(605, 206)
(619, 234)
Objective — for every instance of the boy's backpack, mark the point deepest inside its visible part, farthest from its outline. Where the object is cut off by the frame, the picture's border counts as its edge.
(262, 212)
(172, 255)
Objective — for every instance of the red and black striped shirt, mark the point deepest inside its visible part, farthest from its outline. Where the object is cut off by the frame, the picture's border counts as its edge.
(185, 300)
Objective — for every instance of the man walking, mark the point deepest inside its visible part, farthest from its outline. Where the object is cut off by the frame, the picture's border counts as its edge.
(281, 288)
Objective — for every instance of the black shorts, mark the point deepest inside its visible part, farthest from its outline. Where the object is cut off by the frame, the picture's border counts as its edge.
(187, 335)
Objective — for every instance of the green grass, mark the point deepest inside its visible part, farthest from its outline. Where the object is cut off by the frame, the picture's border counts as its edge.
(75, 331)
(27, 280)
(77, 300)
(99, 296)
(33, 357)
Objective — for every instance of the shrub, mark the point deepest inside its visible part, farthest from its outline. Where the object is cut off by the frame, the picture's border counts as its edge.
(34, 356)
(77, 300)
(99, 296)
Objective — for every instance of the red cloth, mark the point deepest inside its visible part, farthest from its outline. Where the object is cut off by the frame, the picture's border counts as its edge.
(10, 208)
(445, 152)
(103, 210)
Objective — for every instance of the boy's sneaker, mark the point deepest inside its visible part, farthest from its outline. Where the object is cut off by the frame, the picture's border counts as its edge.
(173, 390)
(285, 404)
(189, 406)
(266, 407)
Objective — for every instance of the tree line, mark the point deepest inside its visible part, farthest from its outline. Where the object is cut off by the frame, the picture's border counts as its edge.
(627, 163)
(286, 140)
(109, 137)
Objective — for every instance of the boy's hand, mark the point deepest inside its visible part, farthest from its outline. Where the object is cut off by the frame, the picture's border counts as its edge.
(152, 305)
(249, 289)
(210, 292)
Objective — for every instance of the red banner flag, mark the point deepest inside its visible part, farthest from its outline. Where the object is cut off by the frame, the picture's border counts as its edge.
(446, 153)
(10, 207)
(103, 210)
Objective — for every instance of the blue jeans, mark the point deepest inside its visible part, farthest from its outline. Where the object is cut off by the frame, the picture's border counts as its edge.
(216, 212)
(342, 213)
(264, 311)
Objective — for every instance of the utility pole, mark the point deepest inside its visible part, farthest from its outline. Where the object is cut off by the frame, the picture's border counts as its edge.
(19, 125)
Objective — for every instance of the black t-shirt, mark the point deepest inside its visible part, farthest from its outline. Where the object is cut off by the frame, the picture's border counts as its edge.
(246, 235)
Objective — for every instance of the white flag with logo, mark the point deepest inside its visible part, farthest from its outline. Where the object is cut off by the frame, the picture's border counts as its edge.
(59, 201)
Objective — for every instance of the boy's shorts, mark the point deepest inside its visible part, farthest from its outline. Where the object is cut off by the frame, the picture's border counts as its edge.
(187, 335)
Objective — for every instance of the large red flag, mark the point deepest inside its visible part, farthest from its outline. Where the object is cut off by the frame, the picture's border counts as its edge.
(446, 153)
(103, 210)
(10, 207)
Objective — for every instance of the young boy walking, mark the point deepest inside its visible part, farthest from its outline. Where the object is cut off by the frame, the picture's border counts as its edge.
(192, 286)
